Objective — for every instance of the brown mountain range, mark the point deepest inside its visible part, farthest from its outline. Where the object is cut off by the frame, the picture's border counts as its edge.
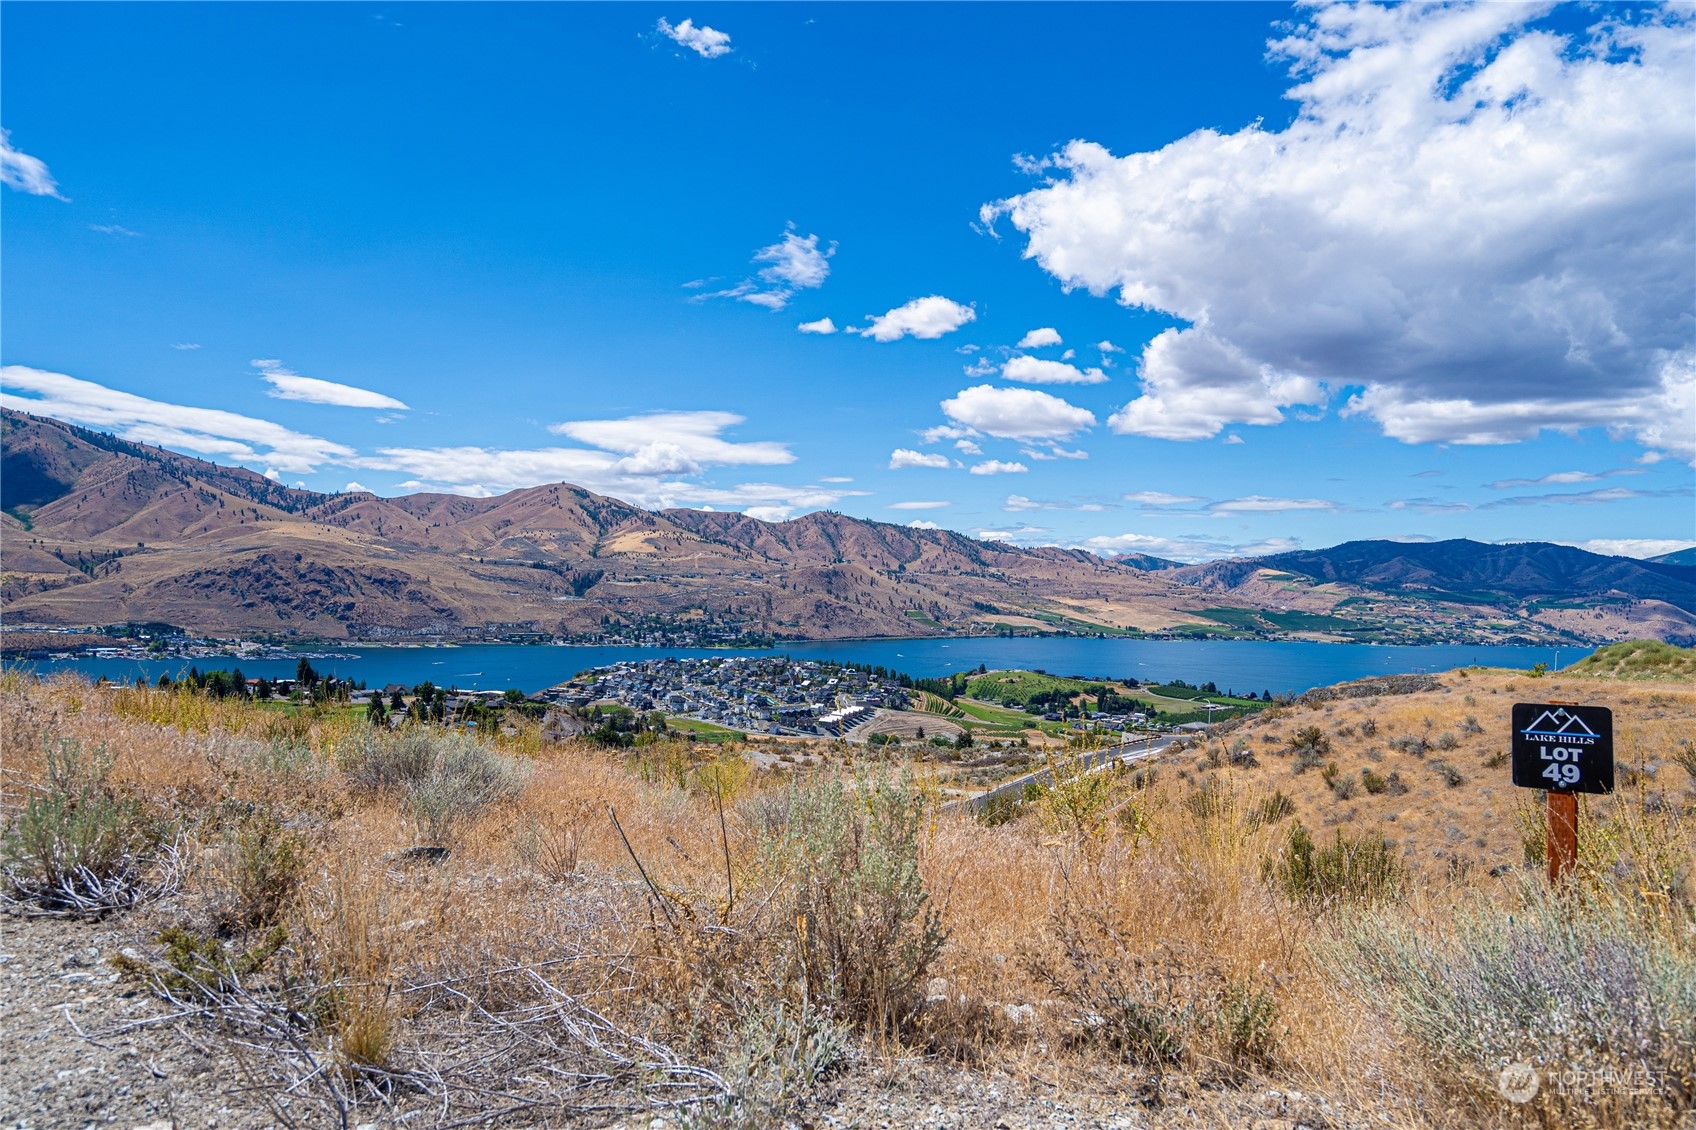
(99, 531)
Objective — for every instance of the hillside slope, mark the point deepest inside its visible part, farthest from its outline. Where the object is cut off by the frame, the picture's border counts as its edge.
(99, 531)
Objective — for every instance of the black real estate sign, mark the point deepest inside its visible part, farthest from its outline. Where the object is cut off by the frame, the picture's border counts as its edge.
(1564, 748)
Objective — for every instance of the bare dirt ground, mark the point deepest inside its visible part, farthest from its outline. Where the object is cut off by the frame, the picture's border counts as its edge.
(82, 1048)
(905, 724)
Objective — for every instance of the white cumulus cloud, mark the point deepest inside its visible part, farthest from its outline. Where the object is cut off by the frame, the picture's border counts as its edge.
(1016, 413)
(998, 467)
(1483, 224)
(822, 326)
(1037, 338)
(1036, 371)
(927, 318)
(708, 43)
(288, 385)
(20, 171)
(906, 457)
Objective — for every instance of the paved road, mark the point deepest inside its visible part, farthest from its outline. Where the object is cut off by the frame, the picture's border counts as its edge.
(1126, 753)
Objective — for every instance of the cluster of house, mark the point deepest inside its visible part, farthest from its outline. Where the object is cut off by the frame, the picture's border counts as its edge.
(456, 699)
(760, 694)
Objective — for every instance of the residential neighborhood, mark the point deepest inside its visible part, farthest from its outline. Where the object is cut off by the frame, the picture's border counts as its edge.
(757, 694)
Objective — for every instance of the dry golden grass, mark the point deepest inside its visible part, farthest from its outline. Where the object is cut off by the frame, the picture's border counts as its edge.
(1471, 826)
(675, 925)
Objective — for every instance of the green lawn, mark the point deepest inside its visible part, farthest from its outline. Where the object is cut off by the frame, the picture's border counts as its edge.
(706, 730)
(994, 715)
(999, 685)
(1258, 620)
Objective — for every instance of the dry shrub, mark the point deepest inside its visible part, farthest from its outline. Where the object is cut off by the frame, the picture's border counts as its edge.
(1360, 869)
(263, 861)
(78, 845)
(1598, 993)
(869, 933)
(440, 777)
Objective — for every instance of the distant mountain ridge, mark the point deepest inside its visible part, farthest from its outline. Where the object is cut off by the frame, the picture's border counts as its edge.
(1471, 571)
(100, 531)
(1677, 557)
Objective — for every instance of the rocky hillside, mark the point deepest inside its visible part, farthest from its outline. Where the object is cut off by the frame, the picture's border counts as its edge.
(98, 531)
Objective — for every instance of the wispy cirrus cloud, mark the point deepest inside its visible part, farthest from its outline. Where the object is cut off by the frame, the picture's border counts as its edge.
(1185, 549)
(1018, 504)
(1598, 497)
(139, 419)
(1428, 505)
(793, 264)
(289, 385)
(1261, 504)
(1161, 498)
(23, 173)
(673, 443)
(1565, 478)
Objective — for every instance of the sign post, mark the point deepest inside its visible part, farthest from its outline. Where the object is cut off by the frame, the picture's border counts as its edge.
(1565, 749)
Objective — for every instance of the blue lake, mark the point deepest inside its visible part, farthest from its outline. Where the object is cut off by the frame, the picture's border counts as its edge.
(1232, 664)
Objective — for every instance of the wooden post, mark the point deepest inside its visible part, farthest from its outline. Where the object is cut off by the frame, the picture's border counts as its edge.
(1561, 846)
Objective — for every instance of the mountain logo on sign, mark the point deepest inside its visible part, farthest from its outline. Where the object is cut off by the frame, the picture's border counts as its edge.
(1559, 723)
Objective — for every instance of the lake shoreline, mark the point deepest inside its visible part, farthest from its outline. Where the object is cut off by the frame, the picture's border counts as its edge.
(1261, 665)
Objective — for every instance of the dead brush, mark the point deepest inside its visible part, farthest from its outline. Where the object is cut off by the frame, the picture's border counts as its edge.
(549, 841)
(726, 969)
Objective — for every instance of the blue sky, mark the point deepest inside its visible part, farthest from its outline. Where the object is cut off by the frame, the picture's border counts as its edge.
(1184, 279)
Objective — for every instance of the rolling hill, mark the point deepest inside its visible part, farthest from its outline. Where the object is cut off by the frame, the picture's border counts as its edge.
(98, 531)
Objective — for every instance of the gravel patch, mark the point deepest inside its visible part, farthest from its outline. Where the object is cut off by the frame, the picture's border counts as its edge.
(66, 1059)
